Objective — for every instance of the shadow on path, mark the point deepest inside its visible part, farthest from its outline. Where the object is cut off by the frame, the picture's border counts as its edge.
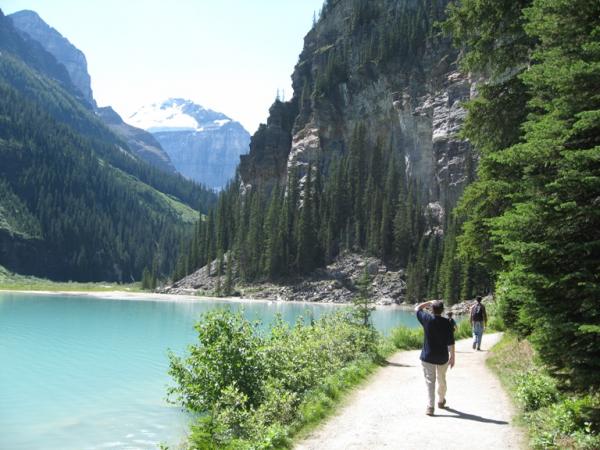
(472, 351)
(388, 363)
(462, 415)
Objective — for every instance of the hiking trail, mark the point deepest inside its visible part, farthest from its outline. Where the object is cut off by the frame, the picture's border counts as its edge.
(388, 411)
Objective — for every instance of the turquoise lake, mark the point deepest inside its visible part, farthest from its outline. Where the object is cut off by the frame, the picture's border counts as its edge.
(79, 372)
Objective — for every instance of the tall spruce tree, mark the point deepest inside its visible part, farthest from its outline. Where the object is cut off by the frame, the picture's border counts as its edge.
(534, 206)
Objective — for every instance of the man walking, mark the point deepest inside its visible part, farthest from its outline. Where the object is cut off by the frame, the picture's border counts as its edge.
(438, 351)
(478, 322)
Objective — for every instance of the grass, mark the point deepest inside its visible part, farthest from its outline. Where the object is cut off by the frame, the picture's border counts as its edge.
(326, 399)
(509, 359)
(187, 214)
(14, 282)
(552, 418)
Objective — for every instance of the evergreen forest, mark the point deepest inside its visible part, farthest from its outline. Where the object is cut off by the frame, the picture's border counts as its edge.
(532, 216)
(74, 203)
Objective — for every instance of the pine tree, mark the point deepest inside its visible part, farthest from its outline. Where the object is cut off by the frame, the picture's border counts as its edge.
(530, 208)
(363, 303)
(305, 232)
(228, 288)
(274, 247)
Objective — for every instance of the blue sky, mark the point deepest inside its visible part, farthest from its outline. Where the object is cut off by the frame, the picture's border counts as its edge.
(228, 55)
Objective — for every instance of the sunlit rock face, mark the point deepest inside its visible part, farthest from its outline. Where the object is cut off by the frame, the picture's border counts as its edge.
(413, 105)
(203, 145)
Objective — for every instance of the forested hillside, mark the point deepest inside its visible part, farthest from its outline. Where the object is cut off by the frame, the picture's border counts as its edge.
(75, 204)
(364, 158)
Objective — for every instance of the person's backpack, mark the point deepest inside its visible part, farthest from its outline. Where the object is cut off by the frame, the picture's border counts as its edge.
(477, 314)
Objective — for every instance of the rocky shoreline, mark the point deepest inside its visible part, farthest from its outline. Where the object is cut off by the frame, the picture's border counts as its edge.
(335, 283)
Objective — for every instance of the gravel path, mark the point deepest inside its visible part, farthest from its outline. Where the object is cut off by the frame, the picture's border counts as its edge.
(389, 411)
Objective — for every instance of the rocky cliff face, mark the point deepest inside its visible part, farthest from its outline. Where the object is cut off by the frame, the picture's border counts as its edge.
(32, 25)
(382, 65)
(204, 145)
(270, 146)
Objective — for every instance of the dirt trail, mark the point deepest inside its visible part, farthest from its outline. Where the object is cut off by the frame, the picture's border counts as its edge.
(389, 411)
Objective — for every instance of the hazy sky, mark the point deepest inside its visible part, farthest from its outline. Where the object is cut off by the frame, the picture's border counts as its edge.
(228, 55)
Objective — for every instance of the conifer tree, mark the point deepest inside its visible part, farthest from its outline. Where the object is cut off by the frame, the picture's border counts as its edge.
(363, 303)
(531, 207)
(305, 231)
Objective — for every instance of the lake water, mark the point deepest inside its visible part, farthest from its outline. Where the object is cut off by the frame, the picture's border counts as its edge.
(78, 372)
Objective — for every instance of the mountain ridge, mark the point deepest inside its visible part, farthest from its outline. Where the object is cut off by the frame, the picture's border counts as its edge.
(29, 23)
(31, 26)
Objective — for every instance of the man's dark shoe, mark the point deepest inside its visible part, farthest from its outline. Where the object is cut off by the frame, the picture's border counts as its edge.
(442, 404)
(429, 411)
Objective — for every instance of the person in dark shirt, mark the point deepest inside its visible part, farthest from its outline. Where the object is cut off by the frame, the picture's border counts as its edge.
(438, 351)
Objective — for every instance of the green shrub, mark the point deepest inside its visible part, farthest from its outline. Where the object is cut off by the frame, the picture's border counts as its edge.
(535, 390)
(495, 323)
(228, 356)
(407, 338)
(254, 390)
(463, 330)
(554, 421)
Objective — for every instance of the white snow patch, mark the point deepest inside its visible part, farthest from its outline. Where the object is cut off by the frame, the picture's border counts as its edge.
(221, 122)
(156, 118)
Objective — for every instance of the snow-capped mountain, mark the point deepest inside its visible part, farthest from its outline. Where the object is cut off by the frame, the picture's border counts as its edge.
(177, 114)
(203, 144)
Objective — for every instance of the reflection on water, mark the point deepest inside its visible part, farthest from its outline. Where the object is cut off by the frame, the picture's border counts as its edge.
(82, 373)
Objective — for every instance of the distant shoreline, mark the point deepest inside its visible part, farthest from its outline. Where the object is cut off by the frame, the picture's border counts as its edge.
(149, 296)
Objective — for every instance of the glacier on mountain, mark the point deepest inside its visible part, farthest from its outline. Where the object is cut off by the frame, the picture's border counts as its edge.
(176, 114)
(204, 145)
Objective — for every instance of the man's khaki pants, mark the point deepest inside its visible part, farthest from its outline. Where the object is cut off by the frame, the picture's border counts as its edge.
(433, 371)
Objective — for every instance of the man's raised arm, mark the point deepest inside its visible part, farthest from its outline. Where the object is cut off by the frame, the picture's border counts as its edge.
(420, 306)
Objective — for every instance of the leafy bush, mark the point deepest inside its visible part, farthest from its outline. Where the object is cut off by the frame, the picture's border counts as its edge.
(229, 356)
(495, 320)
(495, 323)
(574, 414)
(253, 390)
(535, 390)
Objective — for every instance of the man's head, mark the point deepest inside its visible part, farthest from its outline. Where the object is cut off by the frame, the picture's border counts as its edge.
(450, 315)
(478, 299)
(438, 307)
